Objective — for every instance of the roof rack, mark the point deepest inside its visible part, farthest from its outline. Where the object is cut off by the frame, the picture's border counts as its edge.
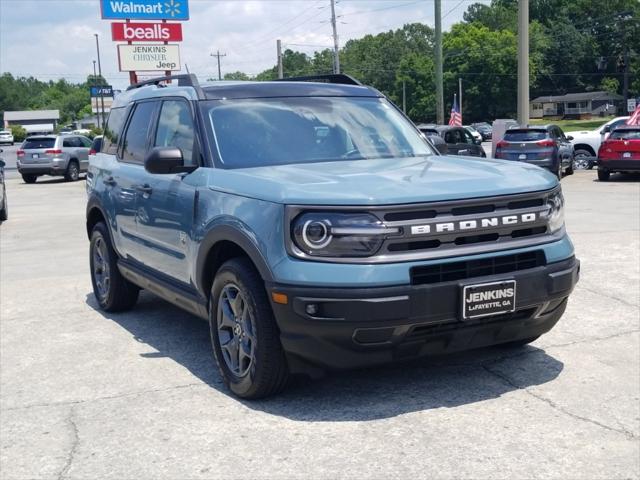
(339, 78)
(185, 80)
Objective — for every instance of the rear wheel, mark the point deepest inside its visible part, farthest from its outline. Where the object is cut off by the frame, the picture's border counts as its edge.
(73, 172)
(244, 334)
(4, 213)
(29, 178)
(603, 175)
(113, 292)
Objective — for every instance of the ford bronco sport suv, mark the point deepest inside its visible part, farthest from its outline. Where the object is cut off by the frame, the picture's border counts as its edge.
(315, 228)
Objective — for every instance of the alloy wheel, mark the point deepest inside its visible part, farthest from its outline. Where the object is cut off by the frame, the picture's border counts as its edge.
(580, 162)
(236, 330)
(101, 273)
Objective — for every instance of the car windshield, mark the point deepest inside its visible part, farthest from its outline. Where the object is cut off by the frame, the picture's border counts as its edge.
(525, 135)
(33, 143)
(292, 130)
(626, 134)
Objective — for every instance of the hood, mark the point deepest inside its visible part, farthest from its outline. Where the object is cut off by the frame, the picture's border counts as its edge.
(382, 182)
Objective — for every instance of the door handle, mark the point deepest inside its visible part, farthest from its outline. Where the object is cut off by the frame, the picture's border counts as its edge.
(110, 181)
(146, 189)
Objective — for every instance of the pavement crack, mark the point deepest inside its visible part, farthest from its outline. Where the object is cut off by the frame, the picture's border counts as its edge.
(591, 340)
(611, 297)
(75, 439)
(630, 435)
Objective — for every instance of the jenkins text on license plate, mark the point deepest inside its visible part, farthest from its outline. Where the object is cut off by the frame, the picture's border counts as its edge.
(488, 299)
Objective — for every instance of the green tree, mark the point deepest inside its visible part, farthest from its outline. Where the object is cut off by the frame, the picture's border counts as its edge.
(236, 76)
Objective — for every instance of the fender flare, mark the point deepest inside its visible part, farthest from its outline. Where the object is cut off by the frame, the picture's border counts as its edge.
(232, 234)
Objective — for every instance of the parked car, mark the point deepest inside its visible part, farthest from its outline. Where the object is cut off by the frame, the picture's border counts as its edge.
(620, 152)
(458, 139)
(544, 146)
(313, 227)
(432, 136)
(477, 136)
(6, 137)
(4, 207)
(96, 145)
(485, 130)
(586, 143)
(55, 155)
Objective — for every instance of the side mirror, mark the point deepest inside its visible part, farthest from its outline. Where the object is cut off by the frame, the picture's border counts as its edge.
(569, 137)
(163, 160)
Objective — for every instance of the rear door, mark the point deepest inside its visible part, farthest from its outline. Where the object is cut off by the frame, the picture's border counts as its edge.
(469, 144)
(83, 152)
(165, 208)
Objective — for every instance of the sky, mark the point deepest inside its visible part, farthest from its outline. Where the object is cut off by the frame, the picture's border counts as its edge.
(52, 39)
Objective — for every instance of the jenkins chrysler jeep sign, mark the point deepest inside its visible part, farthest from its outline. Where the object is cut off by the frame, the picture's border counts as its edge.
(148, 57)
(146, 32)
(145, 9)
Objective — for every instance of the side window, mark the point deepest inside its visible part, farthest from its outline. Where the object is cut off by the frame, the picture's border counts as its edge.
(112, 132)
(552, 133)
(466, 136)
(449, 137)
(175, 129)
(67, 143)
(135, 140)
(560, 133)
(85, 142)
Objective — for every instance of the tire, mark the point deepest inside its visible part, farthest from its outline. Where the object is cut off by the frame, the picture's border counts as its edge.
(29, 178)
(244, 335)
(113, 292)
(578, 160)
(603, 175)
(559, 171)
(73, 172)
(569, 170)
(4, 213)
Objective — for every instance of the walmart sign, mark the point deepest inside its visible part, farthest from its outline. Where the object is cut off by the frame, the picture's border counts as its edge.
(145, 9)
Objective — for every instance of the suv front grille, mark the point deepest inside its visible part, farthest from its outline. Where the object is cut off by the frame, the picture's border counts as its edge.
(450, 272)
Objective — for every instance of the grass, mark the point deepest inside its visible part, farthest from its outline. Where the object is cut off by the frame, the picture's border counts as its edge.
(572, 125)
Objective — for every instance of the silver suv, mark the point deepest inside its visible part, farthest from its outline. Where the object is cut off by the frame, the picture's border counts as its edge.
(55, 155)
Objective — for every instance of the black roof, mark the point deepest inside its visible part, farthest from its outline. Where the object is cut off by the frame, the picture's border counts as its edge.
(236, 90)
(437, 128)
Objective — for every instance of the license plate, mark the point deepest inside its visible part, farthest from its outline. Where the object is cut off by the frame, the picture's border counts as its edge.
(626, 155)
(522, 156)
(488, 299)
(34, 155)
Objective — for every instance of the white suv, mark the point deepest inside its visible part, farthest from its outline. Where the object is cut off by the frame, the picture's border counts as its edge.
(6, 136)
(587, 143)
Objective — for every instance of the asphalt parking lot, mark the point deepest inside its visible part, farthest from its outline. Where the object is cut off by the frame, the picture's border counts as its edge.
(85, 394)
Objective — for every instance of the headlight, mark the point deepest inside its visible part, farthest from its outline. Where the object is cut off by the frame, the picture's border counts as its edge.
(339, 234)
(555, 214)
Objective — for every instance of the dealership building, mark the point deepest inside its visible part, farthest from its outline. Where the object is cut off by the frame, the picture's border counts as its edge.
(33, 121)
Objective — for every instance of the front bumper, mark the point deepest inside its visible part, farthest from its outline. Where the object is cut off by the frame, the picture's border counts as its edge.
(355, 328)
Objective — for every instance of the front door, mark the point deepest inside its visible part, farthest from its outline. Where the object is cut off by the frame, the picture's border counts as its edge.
(166, 203)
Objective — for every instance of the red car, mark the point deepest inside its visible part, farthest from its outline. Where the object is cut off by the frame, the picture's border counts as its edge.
(620, 152)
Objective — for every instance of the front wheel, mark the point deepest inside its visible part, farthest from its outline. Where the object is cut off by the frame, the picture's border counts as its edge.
(603, 175)
(113, 292)
(244, 335)
(581, 160)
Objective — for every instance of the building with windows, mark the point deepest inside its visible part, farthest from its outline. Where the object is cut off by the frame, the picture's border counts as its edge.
(576, 105)
(33, 121)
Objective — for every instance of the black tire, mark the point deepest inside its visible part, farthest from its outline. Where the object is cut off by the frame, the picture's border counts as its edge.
(29, 178)
(73, 172)
(4, 213)
(266, 372)
(603, 175)
(569, 170)
(579, 163)
(118, 294)
(559, 171)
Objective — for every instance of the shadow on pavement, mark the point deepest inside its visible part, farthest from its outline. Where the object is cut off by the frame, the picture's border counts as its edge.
(361, 395)
(621, 178)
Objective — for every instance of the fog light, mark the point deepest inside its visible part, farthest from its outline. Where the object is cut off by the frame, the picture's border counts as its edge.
(311, 309)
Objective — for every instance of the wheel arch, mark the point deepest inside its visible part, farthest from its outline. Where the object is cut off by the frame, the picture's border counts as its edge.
(221, 244)
(584, 146)
(95, 214)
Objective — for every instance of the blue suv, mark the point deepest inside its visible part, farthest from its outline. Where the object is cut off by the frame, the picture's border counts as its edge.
(315, 228)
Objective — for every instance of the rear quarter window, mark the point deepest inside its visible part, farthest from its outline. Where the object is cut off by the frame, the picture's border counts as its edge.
(525, 135)
(35, 143)
(113, 130)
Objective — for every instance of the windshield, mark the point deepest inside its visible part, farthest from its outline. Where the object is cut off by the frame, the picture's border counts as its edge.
(525, 135)
(277, 131)
(626, 134)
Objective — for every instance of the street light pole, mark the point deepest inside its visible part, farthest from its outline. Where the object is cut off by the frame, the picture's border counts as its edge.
(100, 73)
(438, 41)
(95, 79)
(523, 62)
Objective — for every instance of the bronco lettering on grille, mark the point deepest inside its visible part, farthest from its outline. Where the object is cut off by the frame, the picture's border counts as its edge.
(466, 225)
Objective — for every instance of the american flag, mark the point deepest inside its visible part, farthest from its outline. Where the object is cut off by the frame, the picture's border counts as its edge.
(456, 118)
(634, 119)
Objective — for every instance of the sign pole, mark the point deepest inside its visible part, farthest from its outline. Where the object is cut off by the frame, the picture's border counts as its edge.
(133, 79)
(166, 72)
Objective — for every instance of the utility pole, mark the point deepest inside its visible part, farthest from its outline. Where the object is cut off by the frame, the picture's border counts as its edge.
(100, 73)
(439, 87)
(523, 62)
(460, 95)
(625, 80)
(95, 80)
(336, 48)
(279, 51)
(218, 55)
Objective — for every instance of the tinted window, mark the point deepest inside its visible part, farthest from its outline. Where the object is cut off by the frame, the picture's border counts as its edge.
(135, 141)
(113, 130)
(275, 131)
(73, 142)
(175, 129)
(626, 134)
(525, 135)
(34, 142)
(85, 142)
(468, 138)
(452, 136)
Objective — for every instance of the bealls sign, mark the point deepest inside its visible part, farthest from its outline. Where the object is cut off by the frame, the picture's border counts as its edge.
(146, 32)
